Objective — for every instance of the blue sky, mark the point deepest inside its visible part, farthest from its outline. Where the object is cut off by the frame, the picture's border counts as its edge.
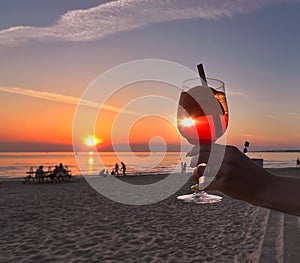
(252, 45)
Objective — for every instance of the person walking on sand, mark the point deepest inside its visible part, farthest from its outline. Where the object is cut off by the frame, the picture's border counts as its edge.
(123, 168)
(184, 167)
(117, 169)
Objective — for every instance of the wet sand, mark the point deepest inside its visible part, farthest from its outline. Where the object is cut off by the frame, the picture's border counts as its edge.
(71, 222)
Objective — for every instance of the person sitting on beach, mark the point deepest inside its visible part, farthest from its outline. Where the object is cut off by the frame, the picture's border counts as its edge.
(61, 172)
(117, 169)
(54, 173)
(123, 168)
(241, 178)
(61, 168)
(40, 174)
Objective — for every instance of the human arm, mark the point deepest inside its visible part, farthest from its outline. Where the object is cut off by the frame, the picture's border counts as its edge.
(241, 178)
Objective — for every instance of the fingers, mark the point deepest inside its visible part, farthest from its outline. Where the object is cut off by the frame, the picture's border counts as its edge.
(216, 155)
(198, 149)
(194, 151)
(198, 159)
(198, 172)
(207, 147)
(204, 157)
(215, 184)
(199, 154)
(223, 162)
(194, 161)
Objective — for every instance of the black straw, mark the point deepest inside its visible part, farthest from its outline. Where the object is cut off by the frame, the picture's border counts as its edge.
(202, 74)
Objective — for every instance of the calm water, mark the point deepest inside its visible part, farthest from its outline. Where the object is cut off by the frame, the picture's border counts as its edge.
(14, 165)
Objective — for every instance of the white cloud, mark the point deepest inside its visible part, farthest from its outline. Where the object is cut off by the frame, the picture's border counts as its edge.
(62, 99)
(122, 15)
(42, 95)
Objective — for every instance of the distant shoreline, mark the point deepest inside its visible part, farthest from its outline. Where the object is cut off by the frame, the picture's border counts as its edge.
(252, 151)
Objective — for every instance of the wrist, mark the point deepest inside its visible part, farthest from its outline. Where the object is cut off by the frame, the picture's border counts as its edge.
(279, 193)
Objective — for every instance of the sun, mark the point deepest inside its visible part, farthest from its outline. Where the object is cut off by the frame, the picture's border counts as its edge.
(91, 141)
(187, 122)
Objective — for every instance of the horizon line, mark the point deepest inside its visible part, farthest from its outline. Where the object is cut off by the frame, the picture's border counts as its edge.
(61, 151)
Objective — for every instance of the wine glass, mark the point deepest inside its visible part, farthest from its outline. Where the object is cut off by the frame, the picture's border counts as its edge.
(202, 117)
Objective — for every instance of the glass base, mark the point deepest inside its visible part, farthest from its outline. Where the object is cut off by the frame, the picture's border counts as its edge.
(200, 198)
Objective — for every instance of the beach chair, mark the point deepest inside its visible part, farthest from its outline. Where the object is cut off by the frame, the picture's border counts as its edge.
(30, 176)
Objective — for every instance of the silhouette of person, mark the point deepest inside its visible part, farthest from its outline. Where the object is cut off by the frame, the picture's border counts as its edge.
(61, 168)
(297, 162)
(39, 174)
(55, 170)
(54, 173)
(184, 167)
(61, 173)
(117, 169)
(123, 168)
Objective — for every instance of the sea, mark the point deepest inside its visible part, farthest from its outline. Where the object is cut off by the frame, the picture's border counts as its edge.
(14, 165)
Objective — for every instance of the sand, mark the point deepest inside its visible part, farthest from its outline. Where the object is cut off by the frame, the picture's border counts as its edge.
(70, 222)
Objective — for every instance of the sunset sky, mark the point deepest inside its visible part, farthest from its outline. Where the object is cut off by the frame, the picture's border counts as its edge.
(50, 52)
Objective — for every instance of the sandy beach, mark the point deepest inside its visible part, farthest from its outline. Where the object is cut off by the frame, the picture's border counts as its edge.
(71, 222)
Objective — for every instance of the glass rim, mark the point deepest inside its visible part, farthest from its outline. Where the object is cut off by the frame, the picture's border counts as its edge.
(222, 83)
